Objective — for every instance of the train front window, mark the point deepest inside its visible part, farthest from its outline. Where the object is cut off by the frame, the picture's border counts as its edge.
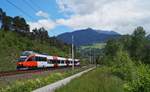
(31, 59)
(21, 59)
(26, 53)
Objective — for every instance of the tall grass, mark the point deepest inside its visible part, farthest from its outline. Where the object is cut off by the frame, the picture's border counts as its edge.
(31, 84)
(98, 80)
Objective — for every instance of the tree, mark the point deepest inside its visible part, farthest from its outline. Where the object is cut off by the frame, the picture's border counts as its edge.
(1, 16)
(112, 47)
(20, 25)
(137, 43)
(6, 23)
(146, 54)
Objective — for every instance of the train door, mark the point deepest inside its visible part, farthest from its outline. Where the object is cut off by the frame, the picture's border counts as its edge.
(55, 61)
(50, 63)
(42, 61)
(67, 62)
(63, 63)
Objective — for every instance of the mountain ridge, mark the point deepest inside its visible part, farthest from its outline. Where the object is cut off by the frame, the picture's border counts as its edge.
(87, 36)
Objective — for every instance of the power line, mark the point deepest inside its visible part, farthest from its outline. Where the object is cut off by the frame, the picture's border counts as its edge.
(25, 12)
(35, 4)
(19, 9)
(36, 10)
(30, 6)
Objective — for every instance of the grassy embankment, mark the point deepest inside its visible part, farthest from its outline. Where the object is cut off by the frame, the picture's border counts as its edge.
(94, 46)
(129, 78)
(37, 81)
(98, 80)
(12, 44)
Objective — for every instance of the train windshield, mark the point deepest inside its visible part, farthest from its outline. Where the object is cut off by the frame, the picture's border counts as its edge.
(26, 53)
(21, 59)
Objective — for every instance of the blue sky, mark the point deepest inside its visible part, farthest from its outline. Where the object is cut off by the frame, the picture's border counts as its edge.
(59, 16)
(48, 6)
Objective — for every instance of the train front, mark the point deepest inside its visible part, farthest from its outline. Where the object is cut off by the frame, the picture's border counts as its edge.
(21, 61)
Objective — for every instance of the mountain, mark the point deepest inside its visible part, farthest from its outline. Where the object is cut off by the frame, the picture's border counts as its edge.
(87, 36)
(148, 36)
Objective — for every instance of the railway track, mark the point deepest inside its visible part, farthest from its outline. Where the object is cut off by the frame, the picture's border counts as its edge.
(15, 72)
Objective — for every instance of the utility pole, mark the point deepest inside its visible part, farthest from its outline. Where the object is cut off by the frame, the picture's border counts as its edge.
(72, 53)
(90, 55)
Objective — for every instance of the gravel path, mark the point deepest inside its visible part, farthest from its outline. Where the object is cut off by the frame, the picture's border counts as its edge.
(53, 86)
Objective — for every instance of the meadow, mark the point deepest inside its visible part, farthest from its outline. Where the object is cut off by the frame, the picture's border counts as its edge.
(98, 80)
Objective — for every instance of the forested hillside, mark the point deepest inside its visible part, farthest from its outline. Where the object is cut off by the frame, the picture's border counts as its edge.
(15, 37)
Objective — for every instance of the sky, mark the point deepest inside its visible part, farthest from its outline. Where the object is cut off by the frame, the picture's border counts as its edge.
(59, 16)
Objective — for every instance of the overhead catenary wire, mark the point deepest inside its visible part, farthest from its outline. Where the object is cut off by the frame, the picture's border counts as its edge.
(28, 15)
(22, 11)
(36, 9)
(37, 6)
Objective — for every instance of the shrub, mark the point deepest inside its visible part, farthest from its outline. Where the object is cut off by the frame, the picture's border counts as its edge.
(124, 66)
(142, 82)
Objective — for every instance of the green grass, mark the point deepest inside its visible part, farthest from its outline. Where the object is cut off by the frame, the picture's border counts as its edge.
(12, 44)
(29, 85)
(96, 46)
(98, 80)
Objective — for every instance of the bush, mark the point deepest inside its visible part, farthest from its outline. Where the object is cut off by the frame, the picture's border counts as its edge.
(121, 65)
(142, 82)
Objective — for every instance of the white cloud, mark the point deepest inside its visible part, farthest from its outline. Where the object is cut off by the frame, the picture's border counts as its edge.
(42, 14)
(118, 15)
(46, 23)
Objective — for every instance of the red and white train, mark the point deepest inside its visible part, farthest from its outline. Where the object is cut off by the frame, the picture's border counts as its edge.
(31, 60)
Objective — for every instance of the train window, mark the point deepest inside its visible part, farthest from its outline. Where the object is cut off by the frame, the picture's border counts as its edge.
(70, 62)
(54, 61)
(21, 59)
(62, 62)
(50, 61)
(31, 59)
(67, 62)
(58, 61)
(26, 53)
(44, 59)
(41, 59)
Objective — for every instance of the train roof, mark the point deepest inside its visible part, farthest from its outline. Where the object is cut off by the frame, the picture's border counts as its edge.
(53, 57)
